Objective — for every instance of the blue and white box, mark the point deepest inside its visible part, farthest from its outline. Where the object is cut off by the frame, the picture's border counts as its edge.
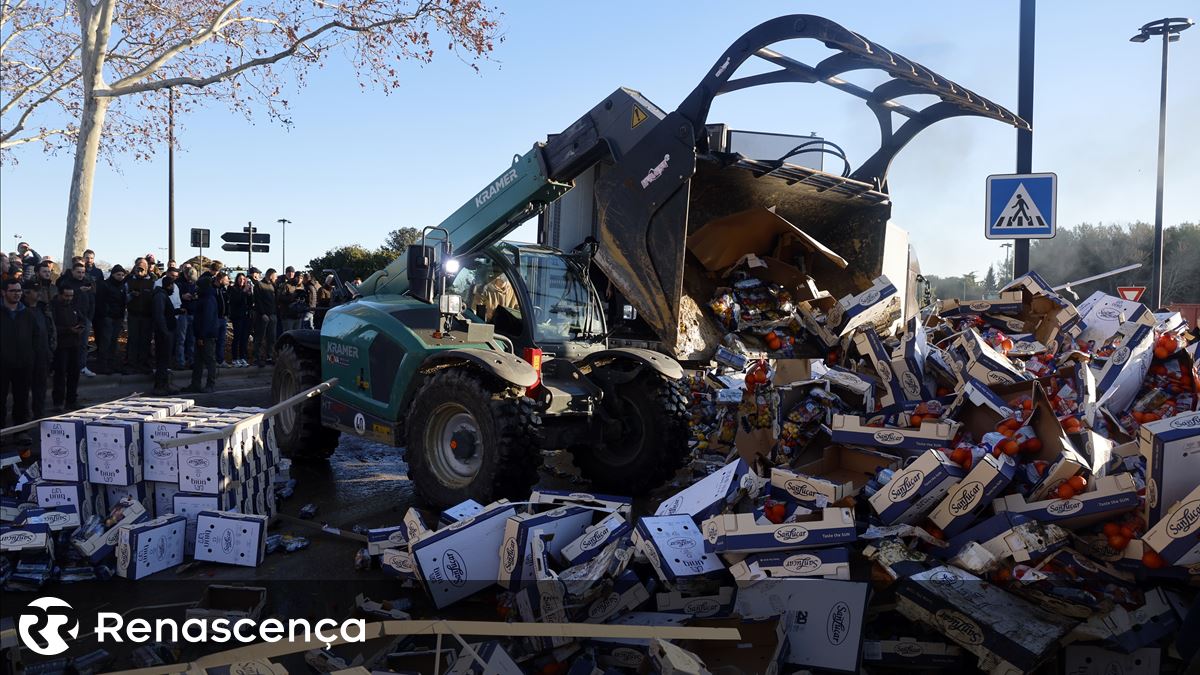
(461, 559)
(1120, 377)
(968, 499)
(908, 362)
(915, 490)
(164, 497)
(1101, 315)
(1176, 536)
(207, 467)
(675, 547)
(80, 495)
(971, 356)
(397, 562)
(1106, 497)
(190, 505)
(826, 618)
(231, 538)
(1171, 449)
(710, 494)
(28, 538)
(628, 593)
(697, 607)
(854, 430)
(562, 525)
(742, 533)
(98, 545)
(891, 394)
(153, 546)
(114, 455)
(829, 563)
(162, 464)
(63, 443)
(57, 518)
(591, 500)
(380, 539)
(593, 540)
(459, 511)
(115, 494)
(870, 306)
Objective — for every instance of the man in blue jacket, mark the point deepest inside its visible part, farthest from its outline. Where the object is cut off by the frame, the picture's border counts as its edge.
(206, 325)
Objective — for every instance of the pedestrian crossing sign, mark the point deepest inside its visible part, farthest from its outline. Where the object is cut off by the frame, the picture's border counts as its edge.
(1021, 206)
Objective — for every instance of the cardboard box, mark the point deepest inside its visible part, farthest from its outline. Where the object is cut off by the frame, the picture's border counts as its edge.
(459, 511)
(839, 473)
(114, 456)
(700, 607)
(164, 497)
(762, 648)
(170, 405)
(1009, 303)
(29, 538)
(628, 593)
(1088, 660)
(828, 618)
(1106, 497)
(967, 500)
(908, 362)
(1101, 315)
(149, 547)
(398, 563)
(722, 242)
(1176, 536)
(971, 356)
(544, 600)
(710, 494)
(914, 491)
(668, 659)
(675, 547)
(562, 526)
(1120, 377)
(1171, 448)
(96, 546)
(593, 540)
(208, 467)
(382, 538)
(63, 447)
(1004, 536)
(856, 390)
(853, 430)
(871, 306)
(909, 653)
(57, 518)
(461, 559)
(621, 505)
(1131, 630)
(1003, 630)
(233, 603)
(231, 538)
(632, 652)
(162, 464)
(740, 533)
(80, 495)
(115, 494)
(496, 661)
(868, 344)
(830, 563)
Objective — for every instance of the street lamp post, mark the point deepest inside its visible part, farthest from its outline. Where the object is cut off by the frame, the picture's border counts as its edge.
(1169, 29)
(284, 222)
(170, 173)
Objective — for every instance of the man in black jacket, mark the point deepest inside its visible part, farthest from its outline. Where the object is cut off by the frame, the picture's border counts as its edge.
(69, 325)
(43, 350)
(139, 287)
(19, 333)
(264, 310)
(110, 317)
(85, 303)
(162, 313)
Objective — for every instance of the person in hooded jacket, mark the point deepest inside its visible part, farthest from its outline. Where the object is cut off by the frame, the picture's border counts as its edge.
(206, 327)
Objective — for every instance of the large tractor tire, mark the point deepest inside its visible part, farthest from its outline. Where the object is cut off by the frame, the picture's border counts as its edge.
(298, 430)
(653, 443)
(466, 441)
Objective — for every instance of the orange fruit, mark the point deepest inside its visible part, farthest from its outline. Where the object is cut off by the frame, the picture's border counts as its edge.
(1111, 528)
(1065, 491)
(1153, 560)
(1118, 542)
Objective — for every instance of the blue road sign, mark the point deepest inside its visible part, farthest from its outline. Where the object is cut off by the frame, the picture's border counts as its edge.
(1021, 206)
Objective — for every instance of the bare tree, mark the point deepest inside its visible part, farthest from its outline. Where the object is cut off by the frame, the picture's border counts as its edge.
(91, 73)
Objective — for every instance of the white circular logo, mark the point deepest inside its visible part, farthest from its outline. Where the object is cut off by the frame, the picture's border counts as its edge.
(43, 623)
(360, 424)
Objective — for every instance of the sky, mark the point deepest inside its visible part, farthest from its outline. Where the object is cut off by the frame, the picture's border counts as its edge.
(357, 163)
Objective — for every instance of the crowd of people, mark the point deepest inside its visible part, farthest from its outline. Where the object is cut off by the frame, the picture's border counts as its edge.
(173, 317)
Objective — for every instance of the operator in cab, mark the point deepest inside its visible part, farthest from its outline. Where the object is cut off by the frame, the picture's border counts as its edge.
(494, 293)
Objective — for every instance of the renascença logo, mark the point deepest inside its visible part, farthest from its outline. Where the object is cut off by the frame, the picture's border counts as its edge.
(43, 623)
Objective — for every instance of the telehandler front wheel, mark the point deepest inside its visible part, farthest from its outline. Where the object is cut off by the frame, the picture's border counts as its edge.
(466, 441)
(653, 441)
(298, 430)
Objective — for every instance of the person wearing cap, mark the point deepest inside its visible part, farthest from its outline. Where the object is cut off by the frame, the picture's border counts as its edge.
(111, 298)
(43, 350)
(264, 317)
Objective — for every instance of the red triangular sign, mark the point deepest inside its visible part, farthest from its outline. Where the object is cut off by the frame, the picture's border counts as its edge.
(1131, 293)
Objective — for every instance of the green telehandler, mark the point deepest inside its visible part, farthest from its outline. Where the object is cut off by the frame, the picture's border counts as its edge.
(475, 354)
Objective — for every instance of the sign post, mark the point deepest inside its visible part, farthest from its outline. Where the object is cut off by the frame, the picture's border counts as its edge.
(248, 241)
(1131, 293)
(200, 240)
(1021, 206)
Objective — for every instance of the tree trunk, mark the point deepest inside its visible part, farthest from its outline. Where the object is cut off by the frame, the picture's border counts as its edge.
(87, 148)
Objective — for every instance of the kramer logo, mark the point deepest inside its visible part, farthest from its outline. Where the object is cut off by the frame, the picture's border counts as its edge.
(959, 627)
(656, 172)
(454, 568)
(788, 535)
(1191, 422)
(510, 554)
(962, 502)
(1064, 507)
(492, 190)
(802, 564)
(838, 626)
(1184, 520)
(906, 486)
(43, 623)
(887, 437)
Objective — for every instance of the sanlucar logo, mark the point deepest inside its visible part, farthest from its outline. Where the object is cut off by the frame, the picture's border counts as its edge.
(838, 626)
(980, 306)
(604, 606)
(510, 554)
(197, 463)
(1190, 422)
(887, 437)
(59, 451)
(909, 382)
(1109, 314)
(801, 564)
(909, 649)
(791, 534)
(227, 540)
(43, 623)
(906, 485)
(454, 568)
(106, 455)
(800, 489)
(701, 607)
(869, 298)
(593, 539)
(1064, 507)
(16, 538)
(1120, 356)
(680, 543)
(1184, 520)
(959, 627)
(965, 498)
(997, 377)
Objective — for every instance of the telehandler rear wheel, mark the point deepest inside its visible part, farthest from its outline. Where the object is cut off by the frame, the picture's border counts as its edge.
(653, 442)
(298, 430)
(466, 441)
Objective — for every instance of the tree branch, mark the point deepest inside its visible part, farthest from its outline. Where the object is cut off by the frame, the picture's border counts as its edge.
(33, 106)
(48, 74)
(42, 135)
(200, 82)
(199, 38)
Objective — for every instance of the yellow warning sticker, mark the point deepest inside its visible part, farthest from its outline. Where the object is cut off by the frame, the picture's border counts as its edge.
(639, 116)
